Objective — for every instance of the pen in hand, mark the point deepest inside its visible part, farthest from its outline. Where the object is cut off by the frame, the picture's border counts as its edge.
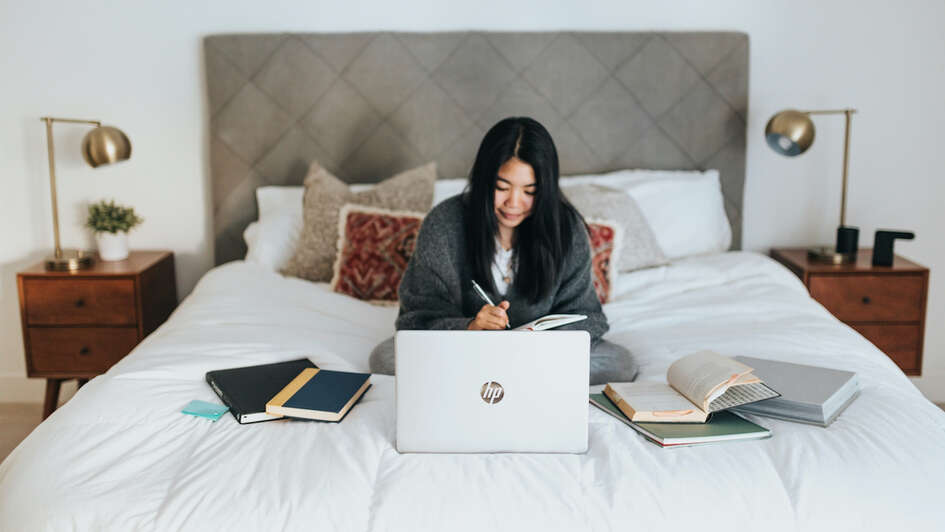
(485, 297)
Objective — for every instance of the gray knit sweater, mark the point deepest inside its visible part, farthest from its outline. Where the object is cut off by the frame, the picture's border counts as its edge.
(436, 290)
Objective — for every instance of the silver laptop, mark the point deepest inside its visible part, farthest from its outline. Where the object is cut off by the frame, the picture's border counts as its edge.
(492, 391)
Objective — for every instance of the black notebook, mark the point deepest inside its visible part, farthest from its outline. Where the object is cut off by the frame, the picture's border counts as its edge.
(247, 390)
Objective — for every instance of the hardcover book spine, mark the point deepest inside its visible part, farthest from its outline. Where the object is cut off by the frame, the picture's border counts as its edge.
(226, 400)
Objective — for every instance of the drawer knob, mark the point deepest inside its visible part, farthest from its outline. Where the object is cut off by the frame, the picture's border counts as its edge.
(84, 351)
(866, 300)
(80, 302)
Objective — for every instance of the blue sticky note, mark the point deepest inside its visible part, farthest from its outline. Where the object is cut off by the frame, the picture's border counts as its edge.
(205, 409)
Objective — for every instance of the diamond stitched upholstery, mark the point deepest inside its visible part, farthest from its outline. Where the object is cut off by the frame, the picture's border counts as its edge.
(374, 104)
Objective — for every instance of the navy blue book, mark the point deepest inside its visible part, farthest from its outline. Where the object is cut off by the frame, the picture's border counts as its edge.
(246, 390)
(320, 394)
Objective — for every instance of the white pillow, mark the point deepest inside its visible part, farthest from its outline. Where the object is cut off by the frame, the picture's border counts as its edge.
(447, 188)
(685, 209)
(272, 200)
(271, 240)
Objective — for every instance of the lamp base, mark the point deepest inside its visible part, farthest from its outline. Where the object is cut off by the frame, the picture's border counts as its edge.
(71, 260)
(848, 239)
(829, 255)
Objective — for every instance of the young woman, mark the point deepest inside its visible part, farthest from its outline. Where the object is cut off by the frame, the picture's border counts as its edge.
(514, 234)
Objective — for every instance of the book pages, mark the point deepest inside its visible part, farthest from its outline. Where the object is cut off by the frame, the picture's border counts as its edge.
(704, 375)
(651, 396)
(742, 394)
(745, 378)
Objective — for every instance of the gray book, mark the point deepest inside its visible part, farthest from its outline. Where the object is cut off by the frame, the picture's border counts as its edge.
(809, 394)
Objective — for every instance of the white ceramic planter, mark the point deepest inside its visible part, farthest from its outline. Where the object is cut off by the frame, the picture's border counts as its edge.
(112, 246)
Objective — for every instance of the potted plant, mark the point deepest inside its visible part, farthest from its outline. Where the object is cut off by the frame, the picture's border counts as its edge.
(111, 224)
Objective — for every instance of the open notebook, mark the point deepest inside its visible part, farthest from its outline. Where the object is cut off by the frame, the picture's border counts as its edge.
(550, 322)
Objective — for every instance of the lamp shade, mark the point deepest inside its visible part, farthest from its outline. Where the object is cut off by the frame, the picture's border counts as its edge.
(790, 132)
(105, 145)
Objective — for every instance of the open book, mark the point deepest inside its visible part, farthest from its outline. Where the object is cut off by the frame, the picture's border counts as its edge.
(550, 322)
(699, 384)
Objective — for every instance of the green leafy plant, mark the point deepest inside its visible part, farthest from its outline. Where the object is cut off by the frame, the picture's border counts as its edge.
(106, 217)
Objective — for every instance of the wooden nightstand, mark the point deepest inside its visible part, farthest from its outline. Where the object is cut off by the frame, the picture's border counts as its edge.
(886, 304)
(76, 325)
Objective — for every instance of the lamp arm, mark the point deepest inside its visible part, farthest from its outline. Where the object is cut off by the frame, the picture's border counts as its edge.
(52, 171)
(96, 123)
(846, 153)
(52, 185)
(828, 111)
(846, 166)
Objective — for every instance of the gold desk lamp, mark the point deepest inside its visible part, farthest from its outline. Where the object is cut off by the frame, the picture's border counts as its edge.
(103, 145)
(790, 133)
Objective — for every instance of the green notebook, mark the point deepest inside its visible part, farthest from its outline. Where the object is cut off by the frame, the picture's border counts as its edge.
(722, 426)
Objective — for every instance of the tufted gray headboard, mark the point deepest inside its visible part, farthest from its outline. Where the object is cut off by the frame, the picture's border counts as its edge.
(367, 105)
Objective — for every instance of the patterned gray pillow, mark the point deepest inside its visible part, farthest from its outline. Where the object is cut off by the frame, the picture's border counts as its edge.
(639, 248)
(325, 194)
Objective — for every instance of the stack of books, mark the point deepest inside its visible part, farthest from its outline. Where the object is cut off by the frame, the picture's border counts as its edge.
(692, 407)
(696, 386)
(705, 392)
(296, 388)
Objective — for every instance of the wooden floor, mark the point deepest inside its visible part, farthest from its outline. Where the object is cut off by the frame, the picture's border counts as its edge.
(17, 420)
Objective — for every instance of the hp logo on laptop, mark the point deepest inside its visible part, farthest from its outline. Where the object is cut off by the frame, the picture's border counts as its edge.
(492, 392)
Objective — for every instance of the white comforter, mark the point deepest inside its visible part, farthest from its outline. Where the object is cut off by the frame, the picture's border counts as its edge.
(120, 456)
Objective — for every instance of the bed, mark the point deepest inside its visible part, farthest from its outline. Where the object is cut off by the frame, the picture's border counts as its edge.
(120, 456)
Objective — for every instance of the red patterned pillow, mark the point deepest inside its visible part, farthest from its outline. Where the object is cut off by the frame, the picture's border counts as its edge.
(374, 246)
(605, 250)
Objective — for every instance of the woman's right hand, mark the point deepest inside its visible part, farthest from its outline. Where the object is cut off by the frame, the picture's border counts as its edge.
(491, 318)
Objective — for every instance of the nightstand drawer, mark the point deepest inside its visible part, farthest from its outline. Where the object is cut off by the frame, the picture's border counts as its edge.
(78, 350)
(870, 297)
(80, 301)
(900, 342)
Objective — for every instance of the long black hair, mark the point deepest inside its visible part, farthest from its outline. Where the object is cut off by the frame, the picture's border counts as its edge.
(543, 238)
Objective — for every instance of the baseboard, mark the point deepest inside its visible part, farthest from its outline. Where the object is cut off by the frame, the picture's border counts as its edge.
(931, 386)
(19, 389)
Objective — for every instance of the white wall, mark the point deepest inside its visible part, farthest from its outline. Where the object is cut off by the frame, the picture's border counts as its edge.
(139, 66)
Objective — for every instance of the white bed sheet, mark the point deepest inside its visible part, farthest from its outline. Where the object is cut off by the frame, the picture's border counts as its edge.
(120, 456)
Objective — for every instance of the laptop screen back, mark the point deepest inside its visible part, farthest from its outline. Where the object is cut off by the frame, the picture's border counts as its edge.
(492, 391)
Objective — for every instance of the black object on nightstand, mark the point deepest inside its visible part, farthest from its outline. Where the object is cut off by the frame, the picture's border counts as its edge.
(77, 324)
(883, 245)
